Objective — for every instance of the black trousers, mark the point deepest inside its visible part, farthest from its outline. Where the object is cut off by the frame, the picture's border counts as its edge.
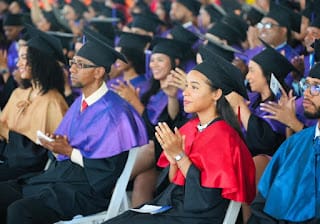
(14, 209)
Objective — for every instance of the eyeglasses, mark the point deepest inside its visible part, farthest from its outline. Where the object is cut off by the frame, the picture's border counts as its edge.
(266, 25)
(314, 89)
(80, 65)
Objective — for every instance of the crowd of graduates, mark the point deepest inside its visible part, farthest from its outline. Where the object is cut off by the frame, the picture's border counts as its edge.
(217, 94)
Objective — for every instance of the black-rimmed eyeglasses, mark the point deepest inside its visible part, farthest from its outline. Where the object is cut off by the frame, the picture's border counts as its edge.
(266, 25)
(80, 65)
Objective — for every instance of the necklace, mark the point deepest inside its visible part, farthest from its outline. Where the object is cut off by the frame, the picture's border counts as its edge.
(201, 127)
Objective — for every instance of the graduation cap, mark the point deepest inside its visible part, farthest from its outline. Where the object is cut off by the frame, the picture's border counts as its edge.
(216, 47)
(104, 26)
(316, 46)
(45, 43)
(178, 32)
(225, 32)
(171, 47)
(215, 11)
(65, 38)
(78, 6)
(285, 17)
(99, 52)
(99, 36)
(230, 5)
(146, 21)
(238, 24)
(133, 40)
(315, 19)
(113, 13)
(13, 20)
(192, 5)
(51, 18)
(252, 14)
(271, 61)
(315, 71)
(223, 75)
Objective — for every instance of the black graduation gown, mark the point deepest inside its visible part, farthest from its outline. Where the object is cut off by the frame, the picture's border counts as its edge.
(259, 217)
(261, 138)
(191, 203)
(20, 156)
(70, 189)
(8, 88)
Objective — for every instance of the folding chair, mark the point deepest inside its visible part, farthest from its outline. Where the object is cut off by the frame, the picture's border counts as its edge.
(232, 212)
(119, 201)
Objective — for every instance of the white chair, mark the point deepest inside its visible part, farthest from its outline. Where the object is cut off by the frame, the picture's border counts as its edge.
(119, 201)
(232, 212)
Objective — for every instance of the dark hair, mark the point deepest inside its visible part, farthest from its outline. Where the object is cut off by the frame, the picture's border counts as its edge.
(136, 58)
(155, 85)
(45, 71)
(226, 112)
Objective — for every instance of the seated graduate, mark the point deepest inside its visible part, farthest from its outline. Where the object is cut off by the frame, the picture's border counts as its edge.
(38, 106)
(289, 188)
(206, 161)
(263, 135)
(92, 144)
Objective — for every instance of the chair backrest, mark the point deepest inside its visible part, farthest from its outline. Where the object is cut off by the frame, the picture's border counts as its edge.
(232, 212)
(119, 195)
(118, 202)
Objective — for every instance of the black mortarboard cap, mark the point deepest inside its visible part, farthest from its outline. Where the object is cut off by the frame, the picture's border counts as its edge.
(252, 14)
(225, 32)
(215, 11)
(45, 43)
(146, 21)
(238, 24)
(315, 19)
(65, 38)
(230, 5)
(13, 20)
(223, 75)
(113, 13)
(78, 7)
(178, 32)
(315, 71)
(271, 61)
(316, 46)
(104, 26)
(192, 5)
(99, 52)
(99, 36)
(285, 17)
(216, 47)
(51, 18)
(134, 41)
(171, 47)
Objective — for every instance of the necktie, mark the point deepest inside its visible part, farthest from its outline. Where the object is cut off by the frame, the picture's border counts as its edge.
(84, 105)
(316, 147)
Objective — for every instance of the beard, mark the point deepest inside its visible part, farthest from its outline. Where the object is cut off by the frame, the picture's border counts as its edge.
(314, 115)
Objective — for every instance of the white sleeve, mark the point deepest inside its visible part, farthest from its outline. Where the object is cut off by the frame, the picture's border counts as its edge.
(76, 157)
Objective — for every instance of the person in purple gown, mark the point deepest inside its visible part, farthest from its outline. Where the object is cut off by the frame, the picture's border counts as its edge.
(91, 146)
(263, 135)
(132, 73)
(154, 107)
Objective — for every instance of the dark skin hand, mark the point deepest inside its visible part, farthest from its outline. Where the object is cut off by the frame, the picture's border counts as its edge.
(60, 145)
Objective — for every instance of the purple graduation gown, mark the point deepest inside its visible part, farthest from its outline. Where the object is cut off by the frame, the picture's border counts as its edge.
(106, 128)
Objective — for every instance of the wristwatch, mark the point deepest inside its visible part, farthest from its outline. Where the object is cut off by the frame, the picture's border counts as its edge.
(179, 156)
